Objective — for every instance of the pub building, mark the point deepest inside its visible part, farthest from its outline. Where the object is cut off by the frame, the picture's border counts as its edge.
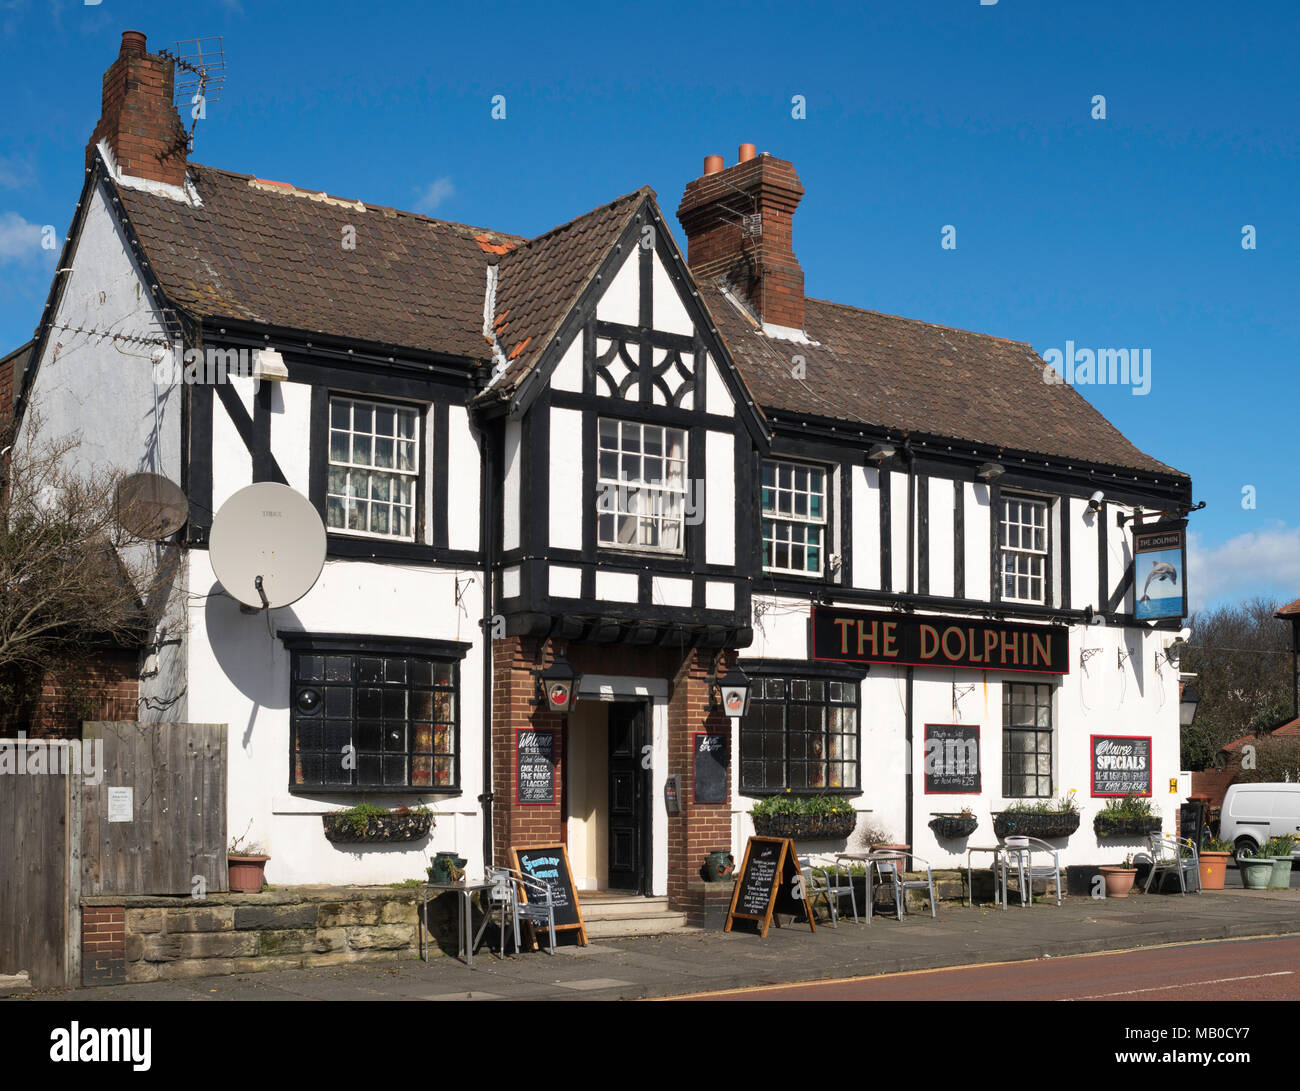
(736, 541)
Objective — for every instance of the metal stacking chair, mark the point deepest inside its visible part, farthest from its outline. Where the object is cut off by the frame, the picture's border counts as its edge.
(1177, 855)
(504, 900)
(889, 869)
(1017, 857)
(829, 881)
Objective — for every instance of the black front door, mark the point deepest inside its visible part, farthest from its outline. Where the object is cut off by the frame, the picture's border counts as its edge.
(629, 795)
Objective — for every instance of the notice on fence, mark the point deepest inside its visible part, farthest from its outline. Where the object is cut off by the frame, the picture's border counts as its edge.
(1121, 765)
(121, 804)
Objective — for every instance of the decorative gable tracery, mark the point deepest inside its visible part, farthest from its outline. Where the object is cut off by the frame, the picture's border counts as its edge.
(644, 365)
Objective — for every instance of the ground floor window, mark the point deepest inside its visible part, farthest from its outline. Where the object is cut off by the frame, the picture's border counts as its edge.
(800, 734)
(374, 715)
(1026, 740)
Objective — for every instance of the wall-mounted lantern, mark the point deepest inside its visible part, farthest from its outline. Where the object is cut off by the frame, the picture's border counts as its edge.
(557, 686)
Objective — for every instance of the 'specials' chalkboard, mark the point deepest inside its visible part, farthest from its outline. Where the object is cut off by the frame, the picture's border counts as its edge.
(1121, 765)
(710, 767)
(550, 864)
(535, 751)
(952, 758)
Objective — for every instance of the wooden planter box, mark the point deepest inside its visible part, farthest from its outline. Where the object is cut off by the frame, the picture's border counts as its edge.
(1105, 826)
(388, 827)
(806, 827)
(953, 826)
(1011, 824)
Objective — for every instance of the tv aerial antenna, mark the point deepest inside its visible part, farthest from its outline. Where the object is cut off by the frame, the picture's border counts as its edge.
(200, 74)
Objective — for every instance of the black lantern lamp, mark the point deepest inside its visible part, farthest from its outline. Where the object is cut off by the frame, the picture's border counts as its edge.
(557, 685)
(1187, 707)
(730, 692)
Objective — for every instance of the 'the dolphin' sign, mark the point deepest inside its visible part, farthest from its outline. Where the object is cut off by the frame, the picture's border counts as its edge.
(1159, 571)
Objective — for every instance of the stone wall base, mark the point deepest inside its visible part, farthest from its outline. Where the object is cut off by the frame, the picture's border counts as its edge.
(161, 939)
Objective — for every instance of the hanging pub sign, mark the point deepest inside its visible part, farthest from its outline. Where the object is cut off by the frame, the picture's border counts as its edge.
(535, 757)
(1159, 571)
(911, 640)
(952, 759)
(1121, 765)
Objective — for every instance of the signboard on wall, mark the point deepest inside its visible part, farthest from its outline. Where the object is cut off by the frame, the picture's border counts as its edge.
(952, 759)
(912, 640)
(710, 767)
(1159, 571)
(1121, 765)
(535, 765)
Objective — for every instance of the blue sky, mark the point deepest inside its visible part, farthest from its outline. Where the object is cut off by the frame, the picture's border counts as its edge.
(1122, 232)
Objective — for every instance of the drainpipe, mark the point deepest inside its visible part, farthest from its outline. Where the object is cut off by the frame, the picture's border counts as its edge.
(487, 545)
(909, 778)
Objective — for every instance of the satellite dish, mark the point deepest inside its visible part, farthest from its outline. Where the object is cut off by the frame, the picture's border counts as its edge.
(267, 545)
(150, 506)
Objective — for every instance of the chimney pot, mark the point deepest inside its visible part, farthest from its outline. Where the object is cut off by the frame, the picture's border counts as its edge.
(746, 153)
(712, 164)
(133, 41)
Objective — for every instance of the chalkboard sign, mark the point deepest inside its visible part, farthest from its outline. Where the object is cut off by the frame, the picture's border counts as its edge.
(550, 865)
(952, 759)
(710, 767)
(535, 779)
(769, 882)
(1191, 821)
(1121, 765)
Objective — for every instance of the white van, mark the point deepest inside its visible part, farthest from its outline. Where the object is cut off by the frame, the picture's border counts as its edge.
(1252, 813)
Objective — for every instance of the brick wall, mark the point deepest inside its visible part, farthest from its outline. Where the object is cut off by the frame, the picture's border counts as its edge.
(104, 687)
(103, 945)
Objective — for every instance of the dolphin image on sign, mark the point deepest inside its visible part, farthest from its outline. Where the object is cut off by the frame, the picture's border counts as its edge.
(1161, 570)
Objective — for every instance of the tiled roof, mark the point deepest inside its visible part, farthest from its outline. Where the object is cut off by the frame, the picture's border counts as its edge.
(1289, 610)
(1287, 729)
(269, 253)
(540, 282)
(914, 377)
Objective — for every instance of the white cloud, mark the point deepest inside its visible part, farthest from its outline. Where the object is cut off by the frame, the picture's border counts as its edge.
(18, 239)
(1263, 562)
(14, 173)
(434, 194)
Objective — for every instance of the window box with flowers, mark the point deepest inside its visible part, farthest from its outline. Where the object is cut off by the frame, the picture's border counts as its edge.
(1132, 816)
(1046, 818)
(808, 818)
(367, 823)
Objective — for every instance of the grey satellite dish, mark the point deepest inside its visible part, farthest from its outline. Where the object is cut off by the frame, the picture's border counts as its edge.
(267, 545)
(150, 506)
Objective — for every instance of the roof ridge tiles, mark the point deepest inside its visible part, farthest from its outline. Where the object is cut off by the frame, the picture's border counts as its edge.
(919, 321)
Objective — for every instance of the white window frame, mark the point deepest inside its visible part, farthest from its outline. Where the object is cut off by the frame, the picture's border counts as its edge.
(791, 519)
(613, 493)
(411, 479)
(1031, 557)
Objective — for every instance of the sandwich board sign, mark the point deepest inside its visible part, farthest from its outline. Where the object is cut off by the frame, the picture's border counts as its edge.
(770, 882)
(549, 864)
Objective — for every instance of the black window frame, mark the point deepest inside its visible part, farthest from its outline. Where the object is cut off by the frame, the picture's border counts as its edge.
(344, 645)
(1009, 730)
(801, 670)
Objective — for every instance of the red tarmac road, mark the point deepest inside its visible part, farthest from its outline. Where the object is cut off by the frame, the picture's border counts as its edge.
(1252, 969)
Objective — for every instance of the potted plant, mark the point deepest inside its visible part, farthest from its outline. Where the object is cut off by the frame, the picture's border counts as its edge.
(954, 826)
(1044, 818)
(1278, 852)
(1133, 816)
(446, 868)
(812, 818)
(1213, 863)
(1119, 877)
(1256, 871)
(245, 864)
(367, 823)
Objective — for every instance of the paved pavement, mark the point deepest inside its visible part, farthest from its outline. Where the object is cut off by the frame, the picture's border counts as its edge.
(700, 961)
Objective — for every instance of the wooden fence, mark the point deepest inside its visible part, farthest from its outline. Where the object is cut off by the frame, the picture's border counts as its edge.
(146, 814)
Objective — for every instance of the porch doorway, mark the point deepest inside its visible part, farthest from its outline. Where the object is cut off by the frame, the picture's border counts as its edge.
(607, 796)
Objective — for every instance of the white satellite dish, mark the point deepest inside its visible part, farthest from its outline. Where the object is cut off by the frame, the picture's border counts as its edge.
(267, 545)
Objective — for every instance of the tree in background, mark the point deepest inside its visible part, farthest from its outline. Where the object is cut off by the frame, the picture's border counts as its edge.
(1241, 655)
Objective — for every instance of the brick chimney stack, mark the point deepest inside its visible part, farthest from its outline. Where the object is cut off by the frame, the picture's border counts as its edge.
(137, 117)
(738, 223)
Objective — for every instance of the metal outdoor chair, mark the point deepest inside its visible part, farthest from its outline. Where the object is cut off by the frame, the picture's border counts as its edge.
(504, 900)
(831, 881)
(890, 869)
(1017, 857)
(1175, 855)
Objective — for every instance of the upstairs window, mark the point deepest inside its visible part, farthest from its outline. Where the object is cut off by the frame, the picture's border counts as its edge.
(641, 486)
(374, 468)
(794, 518)
(1022, 541)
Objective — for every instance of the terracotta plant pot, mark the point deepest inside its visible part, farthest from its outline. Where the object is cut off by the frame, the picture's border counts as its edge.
(1256, 871)
(246, 873)
(1213, 866)
(1119, 880)
(1281, 877)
